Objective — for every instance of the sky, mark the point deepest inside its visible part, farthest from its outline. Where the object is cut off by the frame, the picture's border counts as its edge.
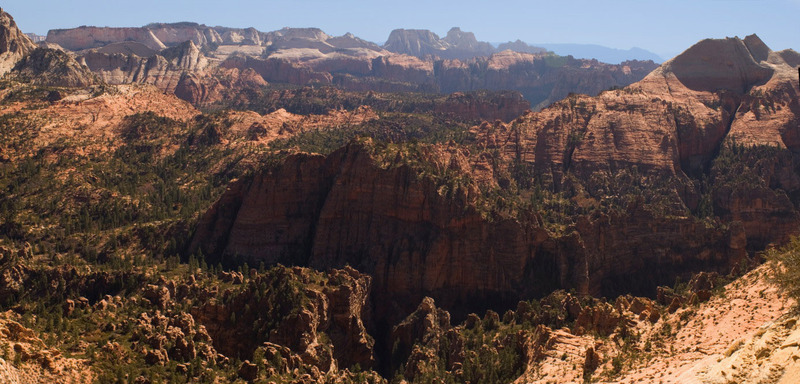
(664, 27)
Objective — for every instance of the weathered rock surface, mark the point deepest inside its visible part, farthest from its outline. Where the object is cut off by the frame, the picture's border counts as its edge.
(327, 330)
(162, 338)
(414, 241)
(732, 64)
(422, 43)
(171, 34)
(415, 42)
(221, 84)
(504, 106)
(457, 44)
(50, 67)
(278, 70)
(768, 356)
(27, 359)
(81, 38)
(426, 325)
(13, 43)
(164, 70)
(658, 124)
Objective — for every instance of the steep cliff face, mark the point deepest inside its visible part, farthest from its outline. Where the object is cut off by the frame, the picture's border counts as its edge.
(666, 129)
(178, 33)
(155, 36)
(302, 38)
(186, 56)
(734, 64)
(541, 79)
(465, 43)
(50, 67)
(422, 237)
(278, 70)
(417, 240)
(423, 43)
(164, 69)
(248, 36)
(81, 38)
(411, 61)
(642, 149)
(13, 43)
(659, 124)
(158, 36)
(218, 85)
(415, 42)
(505, 106)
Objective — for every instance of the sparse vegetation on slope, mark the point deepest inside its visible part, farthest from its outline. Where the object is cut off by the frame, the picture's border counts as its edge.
(301, 234)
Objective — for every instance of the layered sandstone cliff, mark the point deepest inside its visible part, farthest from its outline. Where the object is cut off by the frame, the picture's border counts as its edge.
(117, 64)
(94, 37)
(415, 241)
(659, 124)
(541, 79)
(412, 60)
(639, 149)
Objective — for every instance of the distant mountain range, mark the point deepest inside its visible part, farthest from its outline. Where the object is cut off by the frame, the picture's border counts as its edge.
(601, 53)
(188, 59)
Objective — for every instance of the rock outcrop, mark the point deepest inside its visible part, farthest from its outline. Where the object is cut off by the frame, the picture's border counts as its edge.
(13, 43)
(27, 359)
(50, 67)
(425, 327)
(218, 85)
(464, 44)
(81, 38)
(457, 44)
(278, 70)
(173, 337)
(731, 64)
(504, 106)
(768, 356)
(415, 42)
(322, 319)
(164, 70)
(171, 34)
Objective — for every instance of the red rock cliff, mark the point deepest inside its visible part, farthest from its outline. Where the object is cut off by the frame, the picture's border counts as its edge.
(423, 235)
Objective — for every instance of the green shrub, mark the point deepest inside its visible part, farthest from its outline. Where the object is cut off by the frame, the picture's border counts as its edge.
(785, 264)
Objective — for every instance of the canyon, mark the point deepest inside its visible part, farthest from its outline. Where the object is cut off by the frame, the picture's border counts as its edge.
(191, 203)
(365, 206)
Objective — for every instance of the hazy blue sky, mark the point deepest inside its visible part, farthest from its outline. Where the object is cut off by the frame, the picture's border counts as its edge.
(665, 27)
